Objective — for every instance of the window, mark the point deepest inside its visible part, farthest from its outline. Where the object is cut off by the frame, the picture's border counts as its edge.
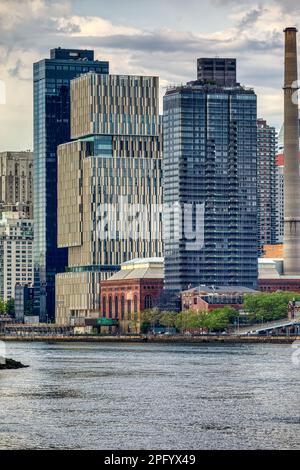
(110, 306)
(104, 306)
(135, 304)
(116, 307)
(122, 307)
(148, 301)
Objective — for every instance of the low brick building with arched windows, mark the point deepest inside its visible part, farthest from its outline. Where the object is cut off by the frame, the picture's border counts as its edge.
(130, 291)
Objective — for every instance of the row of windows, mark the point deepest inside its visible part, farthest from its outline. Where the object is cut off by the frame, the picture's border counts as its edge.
(121, 306)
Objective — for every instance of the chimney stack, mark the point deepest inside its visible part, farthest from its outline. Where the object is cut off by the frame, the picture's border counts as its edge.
(291, 244)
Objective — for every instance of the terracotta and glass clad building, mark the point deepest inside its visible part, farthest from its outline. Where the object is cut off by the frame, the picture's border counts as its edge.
(210, 162)
(51, 87)
(113, 167)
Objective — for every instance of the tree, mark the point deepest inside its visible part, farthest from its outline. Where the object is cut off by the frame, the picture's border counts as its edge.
(149, 319)
(229, 312)
(145, 326)
(269, 306)
(168, 319)
(10, 307)
(183, 320)
(218, 319)
(133, 326)
(2, 307)
(151, 316)
(191, 319)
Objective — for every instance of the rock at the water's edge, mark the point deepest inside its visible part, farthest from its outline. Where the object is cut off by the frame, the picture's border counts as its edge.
(11, 364)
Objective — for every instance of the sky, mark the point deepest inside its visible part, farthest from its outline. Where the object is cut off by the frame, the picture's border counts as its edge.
(157, 37)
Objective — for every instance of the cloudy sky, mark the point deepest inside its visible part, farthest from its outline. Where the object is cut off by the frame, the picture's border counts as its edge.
(159, 37)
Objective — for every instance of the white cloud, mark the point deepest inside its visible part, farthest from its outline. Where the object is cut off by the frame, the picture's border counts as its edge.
(29, 28)
(98, 27)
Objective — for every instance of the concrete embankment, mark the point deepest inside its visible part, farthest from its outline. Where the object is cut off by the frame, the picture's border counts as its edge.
(154, 339)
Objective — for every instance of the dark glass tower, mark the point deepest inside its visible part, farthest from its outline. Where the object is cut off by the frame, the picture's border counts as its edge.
(210, 172)
(217, 70)
(51, 128)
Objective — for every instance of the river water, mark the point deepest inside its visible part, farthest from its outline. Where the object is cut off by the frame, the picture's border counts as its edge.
(150, 396)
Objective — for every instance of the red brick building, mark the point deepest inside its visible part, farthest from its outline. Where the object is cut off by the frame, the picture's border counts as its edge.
(283, 283)
(272, 279)
(211, 297)
(130, 291)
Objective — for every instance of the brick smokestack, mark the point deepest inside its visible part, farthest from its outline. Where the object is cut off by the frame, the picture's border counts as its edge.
(291, 244)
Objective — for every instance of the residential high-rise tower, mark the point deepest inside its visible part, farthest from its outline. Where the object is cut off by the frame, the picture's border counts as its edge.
(266, 166)
(210, 186)
(16, 257)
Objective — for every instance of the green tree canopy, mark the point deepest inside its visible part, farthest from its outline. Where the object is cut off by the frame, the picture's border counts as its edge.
(7, 307)
(168, 319)
(269, 306)
(2, 307)
(10, 307)
(218, 319)
(151, 316)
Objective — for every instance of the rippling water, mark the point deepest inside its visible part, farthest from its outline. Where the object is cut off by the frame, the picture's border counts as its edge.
(150, 396)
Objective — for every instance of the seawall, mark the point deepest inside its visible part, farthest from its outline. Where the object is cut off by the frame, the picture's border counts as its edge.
(154, 339)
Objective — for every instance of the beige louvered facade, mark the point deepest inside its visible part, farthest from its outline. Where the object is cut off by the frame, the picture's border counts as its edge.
(114, 105)
(77, 296)
(100, 172)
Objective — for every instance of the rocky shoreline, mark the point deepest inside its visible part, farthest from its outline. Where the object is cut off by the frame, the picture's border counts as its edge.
(11, 364)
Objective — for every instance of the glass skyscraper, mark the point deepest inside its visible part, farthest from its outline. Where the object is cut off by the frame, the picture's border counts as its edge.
(210, 186)
(52, 127)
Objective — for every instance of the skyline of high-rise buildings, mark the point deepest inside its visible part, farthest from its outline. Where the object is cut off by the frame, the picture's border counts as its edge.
(208, 138)
(150, 242)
